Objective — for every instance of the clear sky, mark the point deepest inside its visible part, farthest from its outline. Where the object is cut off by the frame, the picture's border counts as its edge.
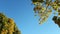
(22, 13)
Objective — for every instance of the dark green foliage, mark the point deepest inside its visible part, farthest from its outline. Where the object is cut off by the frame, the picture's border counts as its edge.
(56, 20)
(37, 1)
(34, 0)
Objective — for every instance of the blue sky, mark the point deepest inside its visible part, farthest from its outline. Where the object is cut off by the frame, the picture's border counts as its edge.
(22, 13)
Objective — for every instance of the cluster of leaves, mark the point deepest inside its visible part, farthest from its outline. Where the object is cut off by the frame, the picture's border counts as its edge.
(7, 25)
(56, 20)
(44, 8)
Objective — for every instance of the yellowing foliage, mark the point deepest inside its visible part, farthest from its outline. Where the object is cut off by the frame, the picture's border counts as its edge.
(7, 25)
(43, 8)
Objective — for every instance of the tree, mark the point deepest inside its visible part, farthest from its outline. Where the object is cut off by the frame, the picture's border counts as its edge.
(7, 25)
(44, 9)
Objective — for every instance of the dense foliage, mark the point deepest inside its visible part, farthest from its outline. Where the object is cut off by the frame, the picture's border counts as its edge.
(7, 25)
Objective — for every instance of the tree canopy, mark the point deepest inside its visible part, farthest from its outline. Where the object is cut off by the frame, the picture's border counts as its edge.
(7, 25)
(44, 9)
